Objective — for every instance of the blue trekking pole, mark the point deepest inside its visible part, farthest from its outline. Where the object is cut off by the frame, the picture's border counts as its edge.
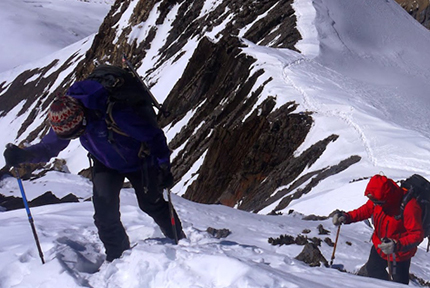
(30, 218)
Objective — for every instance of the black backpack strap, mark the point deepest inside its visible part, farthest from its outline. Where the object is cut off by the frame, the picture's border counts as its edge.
(405, 201)
(113, 127)
(110, 122)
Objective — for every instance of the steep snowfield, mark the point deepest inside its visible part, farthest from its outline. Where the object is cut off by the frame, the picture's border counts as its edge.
(243, 259)
(31, 30)
(365, 79)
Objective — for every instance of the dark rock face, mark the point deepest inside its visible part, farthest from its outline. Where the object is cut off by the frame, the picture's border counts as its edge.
(419, 9)
(277, 27)
(250, 152)
(11, 203)
(206, 86)
(218, 233)
(312, 256)
(217, 85)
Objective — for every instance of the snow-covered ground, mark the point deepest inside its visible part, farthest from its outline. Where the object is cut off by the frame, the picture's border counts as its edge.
(363, 71)
(243, 259)
(31, 30)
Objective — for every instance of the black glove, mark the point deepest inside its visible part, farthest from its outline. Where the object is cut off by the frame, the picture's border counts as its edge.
(165, 176)
(388, 246)
(340, 217)
(15, 155)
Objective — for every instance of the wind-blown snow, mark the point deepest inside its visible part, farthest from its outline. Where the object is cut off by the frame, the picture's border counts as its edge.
(363, 72)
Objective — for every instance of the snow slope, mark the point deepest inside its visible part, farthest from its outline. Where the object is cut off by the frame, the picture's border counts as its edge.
(243, 259)
(31, 30)
(365, 79)
(363, 71)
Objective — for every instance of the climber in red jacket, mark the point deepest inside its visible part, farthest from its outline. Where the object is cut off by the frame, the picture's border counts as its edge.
(395, 239)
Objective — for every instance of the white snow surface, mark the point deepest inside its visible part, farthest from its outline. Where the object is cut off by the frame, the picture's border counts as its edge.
(243, 259)
(34, 29)
(363, 72)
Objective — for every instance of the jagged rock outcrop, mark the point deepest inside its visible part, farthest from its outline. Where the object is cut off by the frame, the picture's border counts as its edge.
(218, 233)
(8, 203)
(247, 145)
(312, 256)
(419, 9)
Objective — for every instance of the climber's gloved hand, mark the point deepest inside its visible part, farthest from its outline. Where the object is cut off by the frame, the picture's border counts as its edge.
(15, 155)
(388, 246)
(340, 217)
(165, 176)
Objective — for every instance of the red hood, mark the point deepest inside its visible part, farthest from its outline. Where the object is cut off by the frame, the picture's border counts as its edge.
(381, 188)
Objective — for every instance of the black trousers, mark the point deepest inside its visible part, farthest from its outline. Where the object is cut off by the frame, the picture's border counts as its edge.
(107, 184)
(376, 268)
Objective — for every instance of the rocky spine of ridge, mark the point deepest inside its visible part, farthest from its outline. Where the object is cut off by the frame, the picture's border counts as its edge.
(247, 152)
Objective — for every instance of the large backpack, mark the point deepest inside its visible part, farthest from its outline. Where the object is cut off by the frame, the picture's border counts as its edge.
(419, 188)
(122, 85)
(125, 89)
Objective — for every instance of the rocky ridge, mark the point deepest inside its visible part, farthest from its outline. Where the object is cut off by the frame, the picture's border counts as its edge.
(247, 152)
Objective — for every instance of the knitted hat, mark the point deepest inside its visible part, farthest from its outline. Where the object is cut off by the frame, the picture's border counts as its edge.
(66, 116)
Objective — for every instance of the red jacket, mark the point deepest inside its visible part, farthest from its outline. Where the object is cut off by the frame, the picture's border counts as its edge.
(407, 231)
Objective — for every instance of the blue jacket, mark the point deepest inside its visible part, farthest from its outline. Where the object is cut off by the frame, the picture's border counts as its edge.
(122, 154)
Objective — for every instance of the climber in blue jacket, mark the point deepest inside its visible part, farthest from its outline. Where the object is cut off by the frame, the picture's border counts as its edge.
(125, 142)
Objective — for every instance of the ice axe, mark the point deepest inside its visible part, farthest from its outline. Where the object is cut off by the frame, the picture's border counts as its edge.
(340, 266)
(392, 266)
(390, 271)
